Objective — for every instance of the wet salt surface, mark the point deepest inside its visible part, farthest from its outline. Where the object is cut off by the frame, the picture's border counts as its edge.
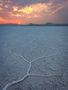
(33, 58)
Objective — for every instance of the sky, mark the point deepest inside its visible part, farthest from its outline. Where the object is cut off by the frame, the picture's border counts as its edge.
(33, 11)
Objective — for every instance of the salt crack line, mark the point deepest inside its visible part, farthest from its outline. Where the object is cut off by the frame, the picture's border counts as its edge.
(41, 58)
(14, 82)
(38, 75)
(22, 57)
(28, 71)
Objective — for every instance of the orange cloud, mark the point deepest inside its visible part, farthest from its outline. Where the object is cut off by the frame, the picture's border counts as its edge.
(36, 9)
(31, 11)
(33, 8)
(17, 13)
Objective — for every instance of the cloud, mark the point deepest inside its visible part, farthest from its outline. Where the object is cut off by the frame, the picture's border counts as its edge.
(38, 11)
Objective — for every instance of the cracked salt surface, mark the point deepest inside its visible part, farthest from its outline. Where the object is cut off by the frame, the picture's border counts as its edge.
(12, 69)
(40, 83)
(34, 59)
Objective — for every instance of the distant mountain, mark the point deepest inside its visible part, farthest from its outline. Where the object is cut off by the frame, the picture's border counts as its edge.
(47, 24)
(31, 24)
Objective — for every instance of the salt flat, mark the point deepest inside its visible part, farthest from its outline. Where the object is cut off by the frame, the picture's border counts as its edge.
(33, 58)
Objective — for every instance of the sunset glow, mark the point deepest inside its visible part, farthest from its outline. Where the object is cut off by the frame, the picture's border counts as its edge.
(13, 21)
(21, 14)
(27, 10)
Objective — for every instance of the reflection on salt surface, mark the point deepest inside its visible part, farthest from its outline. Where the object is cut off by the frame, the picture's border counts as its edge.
(30, 43)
